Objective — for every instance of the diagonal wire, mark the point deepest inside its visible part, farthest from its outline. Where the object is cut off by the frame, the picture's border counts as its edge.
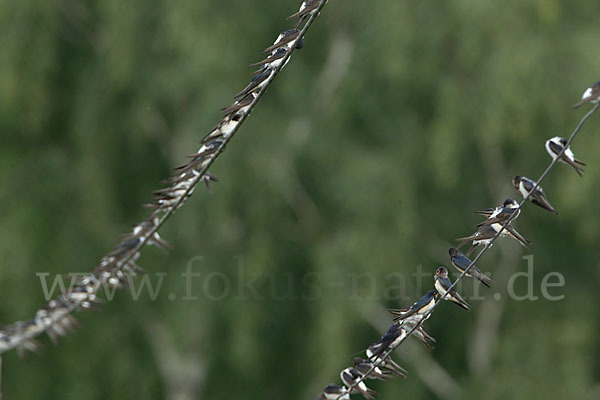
(27, 332)
(227, 139)
(387, 353)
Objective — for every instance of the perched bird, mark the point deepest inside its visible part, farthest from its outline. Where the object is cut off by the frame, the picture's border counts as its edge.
(591, 95)
(307, 7)
(240, 105)
(416, 310)
(143, 228)
(363, 366)
(334, 392)
(351, 376)
(555, 145)
(461, 262)
(392, 338)
(443, 283)
(385, 363)
(284, 39)
(525, 185)
(274, 59)
(257, 82)
(501, 214)
(484, 235)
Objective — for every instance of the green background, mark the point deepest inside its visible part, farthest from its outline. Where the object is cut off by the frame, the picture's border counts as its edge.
(367, 155)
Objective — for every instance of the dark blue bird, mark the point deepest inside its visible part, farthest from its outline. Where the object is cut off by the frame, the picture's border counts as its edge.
(461, 262)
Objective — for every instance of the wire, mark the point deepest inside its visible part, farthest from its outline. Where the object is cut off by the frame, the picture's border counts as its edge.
(19, 333)
(487, 246)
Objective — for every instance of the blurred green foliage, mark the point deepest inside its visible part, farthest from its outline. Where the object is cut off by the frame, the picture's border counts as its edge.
(368, 154)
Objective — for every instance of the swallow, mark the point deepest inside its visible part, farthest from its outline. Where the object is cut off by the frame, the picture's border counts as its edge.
(258, 81)
(307, 7)
(501, 214)
(143, 228)
(364, 366)
(240, 105)
(461, 262)
(392, 338)
(283, 39)
(555, 145)
(484, 235)
(500, 218)
(333, 392)
(591, 95)
(443, 283)
(385, 363)
(420, 308)
(350, 376)
(525, 185)
(273, 60)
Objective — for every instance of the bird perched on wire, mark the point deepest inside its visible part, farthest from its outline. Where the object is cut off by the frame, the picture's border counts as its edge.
(500, 214)
(307, 8)
(483, 236)
(334, 392)
(462, 262)
(497, 219)
(274, 59)
(394, 335)
(285, 38)
(591, 95)
(486, 233)
(258, 81)
(382, 362)
(350, 376)
(417, 310)
(555, 145)
(524, 186)
(442, 285)
(363, 366)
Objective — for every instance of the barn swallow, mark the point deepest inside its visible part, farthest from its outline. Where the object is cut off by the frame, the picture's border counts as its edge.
(418, 309)
(555, 145)
(351, 376)
(283, 39)
(334, 392)
(387, 363)
(501, 214)
(143, 228)
(461, 262)
(524, 186)
(274, 59)
(240, 105)
(307, 7)
(484, 235)
(392, 338)
(591, 95)
(363, 366)
(443, 283)
(499, 218)
(257, 82)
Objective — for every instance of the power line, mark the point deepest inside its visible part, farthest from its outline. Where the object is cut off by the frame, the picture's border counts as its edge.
(54, 317)
(424, 317)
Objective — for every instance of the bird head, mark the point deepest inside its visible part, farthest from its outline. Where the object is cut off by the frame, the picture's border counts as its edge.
(452, 251)
(516, 181)
(441, 272)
